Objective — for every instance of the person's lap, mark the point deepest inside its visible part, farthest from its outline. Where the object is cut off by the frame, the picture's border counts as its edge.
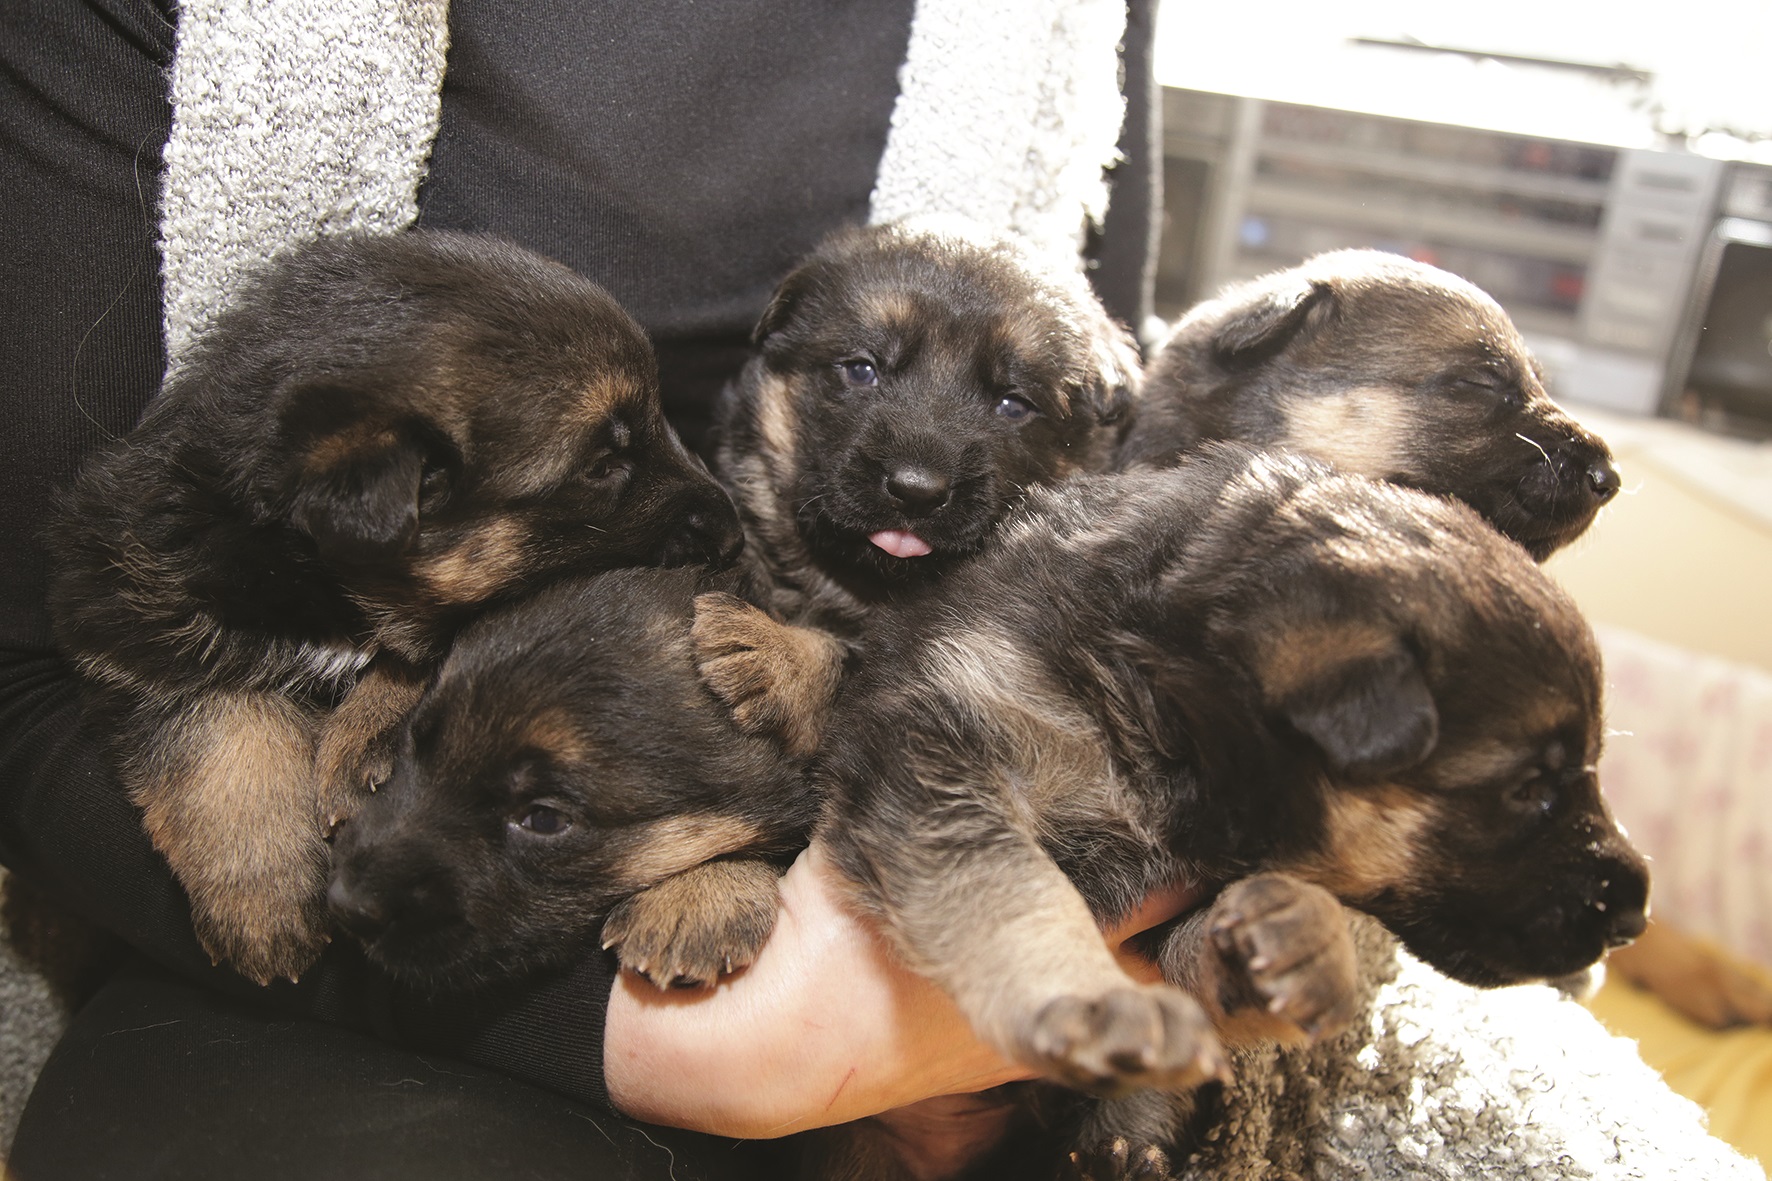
(158, 1078)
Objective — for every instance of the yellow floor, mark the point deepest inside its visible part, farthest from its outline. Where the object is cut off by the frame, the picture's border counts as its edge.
(1728, 1073)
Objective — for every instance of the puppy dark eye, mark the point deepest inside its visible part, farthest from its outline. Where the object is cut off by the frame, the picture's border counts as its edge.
(605, 469)
(1014, 409)
(859, 371)
(1536, 796)
(543, 821)
(433, 483)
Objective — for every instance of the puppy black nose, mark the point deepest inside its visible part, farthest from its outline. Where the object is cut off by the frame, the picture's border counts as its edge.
(1626, 928)
(709, 534)
(1603, 480)
(356, 910)
(917, 490)
(1623, 901)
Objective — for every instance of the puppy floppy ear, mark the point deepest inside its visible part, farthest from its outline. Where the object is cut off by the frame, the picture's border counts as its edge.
(1263, 328)
(1112, 387)
(353, 485)
(1371, 714)
(784, 303)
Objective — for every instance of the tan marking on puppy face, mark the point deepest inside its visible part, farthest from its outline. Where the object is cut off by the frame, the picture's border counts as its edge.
(478, 567)
(778, 422)
(1373, 840)
(676, 843)
(887, 307)
(597, 398)
(540, 464)
(1364, 431)
(553, 732)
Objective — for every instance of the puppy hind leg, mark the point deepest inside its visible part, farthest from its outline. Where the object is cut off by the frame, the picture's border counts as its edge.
(227, 796)
(1001, 928)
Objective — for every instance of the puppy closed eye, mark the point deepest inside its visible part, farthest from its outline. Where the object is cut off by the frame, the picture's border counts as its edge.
(606, 469)
(610, 465)
(433, 486)
(1534, 797)
(1485, 385)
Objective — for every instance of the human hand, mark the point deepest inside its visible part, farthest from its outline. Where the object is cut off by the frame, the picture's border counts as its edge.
(825, 1027)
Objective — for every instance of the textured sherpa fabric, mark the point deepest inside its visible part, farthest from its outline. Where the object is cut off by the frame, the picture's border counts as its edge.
(35, 1015)
(1009, 114)
(290, 121)
(1440, 1082)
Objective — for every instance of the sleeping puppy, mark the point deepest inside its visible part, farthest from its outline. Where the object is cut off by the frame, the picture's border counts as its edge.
(907, 385)
(380, 438)
(1387, 368)
(1245, 669)
(569, 765)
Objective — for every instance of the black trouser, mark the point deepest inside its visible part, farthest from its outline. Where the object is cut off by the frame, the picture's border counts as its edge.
(157, 1078)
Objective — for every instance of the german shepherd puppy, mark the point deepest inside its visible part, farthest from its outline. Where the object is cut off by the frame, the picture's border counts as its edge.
(1386, 368)
(907, 385)
(569, 766)
(382, 436)
(1246, 669)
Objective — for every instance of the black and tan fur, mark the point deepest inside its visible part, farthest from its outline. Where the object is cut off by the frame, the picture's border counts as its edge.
(910, 383)
(569, 766)
(1248, 669)
(380, 438)
(1387, 368)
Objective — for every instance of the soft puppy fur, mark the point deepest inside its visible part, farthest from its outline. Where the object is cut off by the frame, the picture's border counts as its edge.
(1248, 667)
(380, 438)
(569, 765)
(1388, 368)
(908, 383)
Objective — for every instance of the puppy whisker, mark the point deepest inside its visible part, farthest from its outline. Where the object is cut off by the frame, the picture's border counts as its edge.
(1537, 446)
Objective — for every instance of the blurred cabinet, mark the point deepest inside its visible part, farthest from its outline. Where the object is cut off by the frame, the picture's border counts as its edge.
(1592, 249)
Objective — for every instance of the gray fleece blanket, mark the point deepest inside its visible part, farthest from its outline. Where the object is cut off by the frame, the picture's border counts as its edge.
(1437, 1081)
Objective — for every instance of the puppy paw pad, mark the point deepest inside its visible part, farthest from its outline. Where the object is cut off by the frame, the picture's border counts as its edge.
(690, 930)
(1284, 946)
(1127, 1038)
(1118, 1159)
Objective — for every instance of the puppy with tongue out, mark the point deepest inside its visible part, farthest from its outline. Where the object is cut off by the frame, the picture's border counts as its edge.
(908, 383)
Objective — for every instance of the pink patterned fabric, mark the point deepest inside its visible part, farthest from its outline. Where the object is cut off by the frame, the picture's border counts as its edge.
(1688, 771)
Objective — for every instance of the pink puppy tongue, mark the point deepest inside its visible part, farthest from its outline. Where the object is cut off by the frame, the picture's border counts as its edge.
(900, 544)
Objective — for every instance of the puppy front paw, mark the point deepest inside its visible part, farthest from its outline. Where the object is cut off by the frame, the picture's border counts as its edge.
(777, 679)
(704, 923)
(1118, 1159)
(1282, 946)
(1126, 1038)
